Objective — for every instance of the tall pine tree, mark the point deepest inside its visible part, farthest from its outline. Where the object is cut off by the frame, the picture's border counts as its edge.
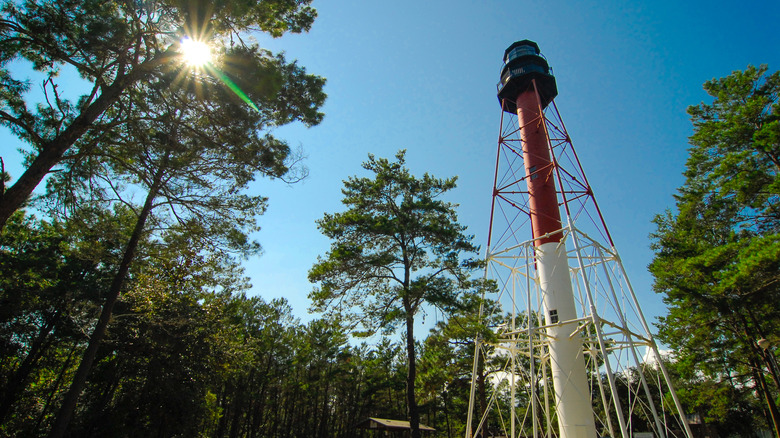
(396, 248)
(717, 257)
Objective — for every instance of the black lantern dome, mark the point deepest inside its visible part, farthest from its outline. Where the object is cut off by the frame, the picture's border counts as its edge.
(522, 64)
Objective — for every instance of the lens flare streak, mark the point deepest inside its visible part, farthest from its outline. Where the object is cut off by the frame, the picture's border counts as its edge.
(197, 54)
(232, 86)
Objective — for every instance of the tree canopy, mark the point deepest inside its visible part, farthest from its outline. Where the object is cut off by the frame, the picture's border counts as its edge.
(187, 353)
(124, 49)
(717, 258)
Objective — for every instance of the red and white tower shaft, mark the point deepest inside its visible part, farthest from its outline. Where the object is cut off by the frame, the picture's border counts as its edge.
(527, 87)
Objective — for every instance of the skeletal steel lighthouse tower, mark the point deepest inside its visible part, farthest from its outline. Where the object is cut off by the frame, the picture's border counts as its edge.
(527, 88)
(574, 356)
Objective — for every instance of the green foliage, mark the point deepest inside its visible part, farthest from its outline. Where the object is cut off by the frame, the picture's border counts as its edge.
(447, 360)
(396, 247)
(735, 150)
(128, 52)
(723, 403)
(187, 353)
(50, 278)
(717, 258)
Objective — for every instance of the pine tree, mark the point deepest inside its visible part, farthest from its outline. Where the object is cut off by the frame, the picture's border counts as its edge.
(717, 258)
(396, 248)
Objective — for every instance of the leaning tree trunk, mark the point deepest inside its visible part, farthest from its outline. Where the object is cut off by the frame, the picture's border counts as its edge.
(52, 151)
(99, 332)
(772, 412)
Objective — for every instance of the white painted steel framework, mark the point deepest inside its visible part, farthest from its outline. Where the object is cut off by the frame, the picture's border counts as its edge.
(630, 388)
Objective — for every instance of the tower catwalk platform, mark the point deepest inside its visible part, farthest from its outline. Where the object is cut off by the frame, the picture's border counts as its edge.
(570, 353)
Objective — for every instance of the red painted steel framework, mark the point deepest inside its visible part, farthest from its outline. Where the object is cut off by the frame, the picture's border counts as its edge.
(511, 189)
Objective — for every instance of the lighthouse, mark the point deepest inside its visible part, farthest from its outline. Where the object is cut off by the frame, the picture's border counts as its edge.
(573, 356)
(526, 87)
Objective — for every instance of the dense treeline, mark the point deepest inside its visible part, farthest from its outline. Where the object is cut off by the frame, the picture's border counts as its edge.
(717, 257)
(188, 353)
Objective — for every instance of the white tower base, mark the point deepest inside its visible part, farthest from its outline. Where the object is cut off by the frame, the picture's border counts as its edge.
(567, 361)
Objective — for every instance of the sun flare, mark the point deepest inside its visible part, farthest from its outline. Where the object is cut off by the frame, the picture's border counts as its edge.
(196, 53)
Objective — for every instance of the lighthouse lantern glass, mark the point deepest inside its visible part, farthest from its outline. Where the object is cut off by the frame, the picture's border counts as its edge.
(520, 51)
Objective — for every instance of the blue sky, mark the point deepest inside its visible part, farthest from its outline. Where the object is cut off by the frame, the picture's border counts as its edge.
(421, 75)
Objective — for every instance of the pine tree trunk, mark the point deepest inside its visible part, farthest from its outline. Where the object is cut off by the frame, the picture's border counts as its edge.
(774, 415)
(224, 402)
(758, 374)
(238, 410)
(411, 402)
(99, 332)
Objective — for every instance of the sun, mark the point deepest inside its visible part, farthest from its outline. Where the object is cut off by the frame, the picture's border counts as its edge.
(196, 53)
